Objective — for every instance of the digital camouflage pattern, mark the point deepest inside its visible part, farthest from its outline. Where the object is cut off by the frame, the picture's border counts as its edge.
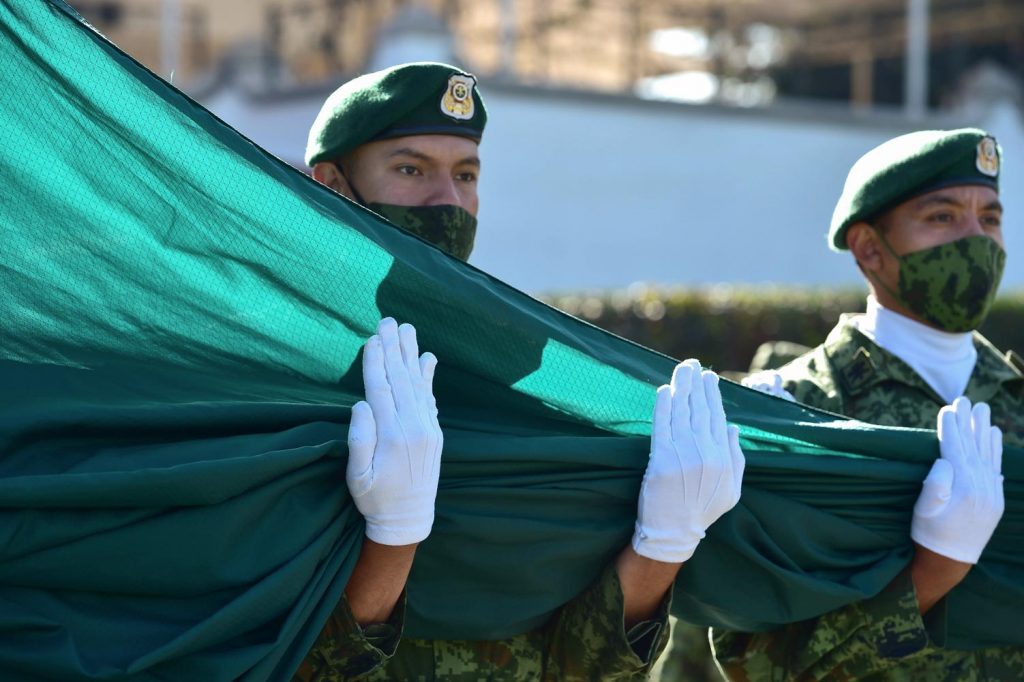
(952, 285)
(450, 228)
(344, 651)
(882, 638)
(584, 640)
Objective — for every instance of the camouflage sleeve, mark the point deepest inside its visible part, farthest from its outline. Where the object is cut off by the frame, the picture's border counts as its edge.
(864, 638)
(344, 650)
(811, 381)
(588, 640)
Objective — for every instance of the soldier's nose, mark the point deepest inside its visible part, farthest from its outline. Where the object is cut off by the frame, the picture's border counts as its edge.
(445, 192)
(974, 226)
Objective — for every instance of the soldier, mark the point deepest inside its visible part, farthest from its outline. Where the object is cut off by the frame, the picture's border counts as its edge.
(922, 218)
(403, 142)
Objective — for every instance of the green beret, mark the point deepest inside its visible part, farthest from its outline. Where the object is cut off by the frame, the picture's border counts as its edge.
(422, 98)
(909, 166)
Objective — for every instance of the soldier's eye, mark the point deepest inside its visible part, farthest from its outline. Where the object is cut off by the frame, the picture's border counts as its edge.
(468, 176)
(408, 170)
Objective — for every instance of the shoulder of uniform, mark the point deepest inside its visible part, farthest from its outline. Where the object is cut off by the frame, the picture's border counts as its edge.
(861, 364)
(995, 364)
(809, 379)
(857, 362)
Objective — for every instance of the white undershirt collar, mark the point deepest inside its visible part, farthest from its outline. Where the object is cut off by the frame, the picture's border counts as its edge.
(944, 360)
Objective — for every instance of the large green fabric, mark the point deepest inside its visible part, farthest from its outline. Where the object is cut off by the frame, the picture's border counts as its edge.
(182, 314)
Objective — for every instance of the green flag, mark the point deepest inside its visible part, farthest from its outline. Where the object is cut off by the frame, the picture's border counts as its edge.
(181, 320)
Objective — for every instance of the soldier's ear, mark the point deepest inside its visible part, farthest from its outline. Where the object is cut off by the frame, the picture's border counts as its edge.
(864, 243)
(328, 173)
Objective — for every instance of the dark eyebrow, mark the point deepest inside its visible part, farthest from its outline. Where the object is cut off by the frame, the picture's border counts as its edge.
(408, 151)
(941, 199)
(946, 200)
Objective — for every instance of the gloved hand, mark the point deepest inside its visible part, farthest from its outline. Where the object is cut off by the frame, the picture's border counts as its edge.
(962, 498)
(394, 440)
(695, 468)
(768, 382)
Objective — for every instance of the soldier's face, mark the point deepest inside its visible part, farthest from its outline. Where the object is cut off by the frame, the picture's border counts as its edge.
(933, 219)
(417, 170)
(943, 216)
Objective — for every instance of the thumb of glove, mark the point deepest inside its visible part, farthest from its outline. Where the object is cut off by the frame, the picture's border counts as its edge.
(362, 439)
(936, 490)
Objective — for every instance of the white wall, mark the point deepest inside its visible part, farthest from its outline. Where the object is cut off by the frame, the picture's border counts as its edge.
(583, 191)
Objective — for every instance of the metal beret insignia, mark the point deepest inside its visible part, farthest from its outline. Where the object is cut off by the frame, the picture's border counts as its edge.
(457, 101)
(988, 158)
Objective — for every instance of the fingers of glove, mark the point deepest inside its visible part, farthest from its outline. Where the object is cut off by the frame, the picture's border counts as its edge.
(981, 425)
(713, 396)
(410, 353)
(682, 383)
(762, 381)
(769, 382)
(362, 440)
(375, 380)
(962, 407)
(739, 461)
(950, 444)
(996, 434)
(937, 489)
(992, 472)
(428, 363)
(700, 414)
(661, 426)
(398, 373)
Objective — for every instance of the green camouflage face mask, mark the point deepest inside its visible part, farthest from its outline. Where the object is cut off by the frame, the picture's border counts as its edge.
(451, 228)
(951, 286)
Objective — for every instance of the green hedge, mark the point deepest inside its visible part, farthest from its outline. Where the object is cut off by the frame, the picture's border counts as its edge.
(724, 325)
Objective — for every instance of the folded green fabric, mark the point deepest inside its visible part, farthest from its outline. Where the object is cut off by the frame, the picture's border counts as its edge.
(181, 320)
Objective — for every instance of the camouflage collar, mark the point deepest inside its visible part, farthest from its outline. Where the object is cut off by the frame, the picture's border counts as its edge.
(991, 371)
(860, 364)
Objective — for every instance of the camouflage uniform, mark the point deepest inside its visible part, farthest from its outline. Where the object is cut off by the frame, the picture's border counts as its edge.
(584, 640)
(885, 637)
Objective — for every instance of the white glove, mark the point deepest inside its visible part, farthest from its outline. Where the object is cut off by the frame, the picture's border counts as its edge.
(962, 498)
(695, 470)
(394, 440)
(768, 382)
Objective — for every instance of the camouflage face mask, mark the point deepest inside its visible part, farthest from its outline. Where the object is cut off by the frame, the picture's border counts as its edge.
(951, 286)
(451, 228)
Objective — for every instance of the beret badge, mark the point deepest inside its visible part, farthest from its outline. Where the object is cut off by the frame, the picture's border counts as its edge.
(457, 100)
(988, 157)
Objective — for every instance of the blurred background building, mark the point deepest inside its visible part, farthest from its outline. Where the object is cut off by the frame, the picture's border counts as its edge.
(669, 141)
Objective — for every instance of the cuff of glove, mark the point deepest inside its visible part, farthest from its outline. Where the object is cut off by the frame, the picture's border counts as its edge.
(390, 532)
(966, 549)
(670, 547)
